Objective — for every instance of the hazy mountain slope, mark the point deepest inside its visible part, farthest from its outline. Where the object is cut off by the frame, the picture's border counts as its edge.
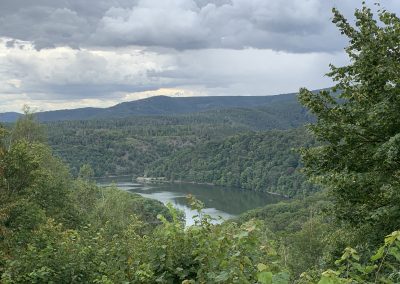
(9, 116)
(159, 105)
(162, 105)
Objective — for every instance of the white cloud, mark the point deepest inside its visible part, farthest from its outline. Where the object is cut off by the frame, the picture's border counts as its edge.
(70, 72)
(63, 77)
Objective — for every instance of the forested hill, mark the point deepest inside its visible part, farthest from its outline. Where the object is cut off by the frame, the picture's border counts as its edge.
(262, 161)
(127, 145)
(161, 105)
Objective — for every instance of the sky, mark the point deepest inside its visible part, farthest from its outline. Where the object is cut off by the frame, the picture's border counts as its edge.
(73, 53)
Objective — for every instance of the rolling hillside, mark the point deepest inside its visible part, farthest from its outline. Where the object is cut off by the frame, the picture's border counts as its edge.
(158, 105)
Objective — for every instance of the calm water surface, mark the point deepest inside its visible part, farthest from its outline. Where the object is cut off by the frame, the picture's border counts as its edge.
(220, 202)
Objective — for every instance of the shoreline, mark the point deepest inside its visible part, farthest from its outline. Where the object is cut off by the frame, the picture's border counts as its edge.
(163, 180)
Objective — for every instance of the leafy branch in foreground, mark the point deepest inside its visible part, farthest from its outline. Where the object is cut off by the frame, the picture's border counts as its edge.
(383, 266)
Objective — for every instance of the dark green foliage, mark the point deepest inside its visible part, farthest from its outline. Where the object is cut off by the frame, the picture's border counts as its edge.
(290, 215)
(32, 173)
(359, 157)
(300, 229)
(33, 185)
(86, 172)
(114, 210)
(201, 254)
(127, 146)
(36, 188)
(263, 161)
(383, 266)
(26, 128)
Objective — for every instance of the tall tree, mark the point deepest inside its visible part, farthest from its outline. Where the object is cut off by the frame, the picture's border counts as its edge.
(359, 160)
(2, 148)
(28, 128)
(34, 184)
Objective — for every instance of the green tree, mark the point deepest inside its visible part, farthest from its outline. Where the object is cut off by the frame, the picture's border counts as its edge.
(86, 172)
(33, 185)
(2, 137)
(359, 126)
(28, 128)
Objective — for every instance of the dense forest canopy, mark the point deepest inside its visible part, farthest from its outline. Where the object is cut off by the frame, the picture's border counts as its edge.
(55, 228)
(261, 161)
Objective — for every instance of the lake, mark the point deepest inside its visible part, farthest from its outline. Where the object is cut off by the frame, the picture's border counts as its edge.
(220, 202)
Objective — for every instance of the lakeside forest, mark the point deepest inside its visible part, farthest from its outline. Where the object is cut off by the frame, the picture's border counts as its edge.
(334, 152)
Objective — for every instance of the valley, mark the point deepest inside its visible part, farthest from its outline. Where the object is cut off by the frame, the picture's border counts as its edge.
(149, 145)
(297, 188)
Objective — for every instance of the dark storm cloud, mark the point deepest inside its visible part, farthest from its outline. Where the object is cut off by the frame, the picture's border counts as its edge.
(290, 25)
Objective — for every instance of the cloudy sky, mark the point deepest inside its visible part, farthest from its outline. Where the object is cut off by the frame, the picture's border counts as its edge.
(74, 53)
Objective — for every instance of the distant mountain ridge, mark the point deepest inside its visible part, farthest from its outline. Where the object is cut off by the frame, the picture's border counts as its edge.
(158, 105)
(9, 116)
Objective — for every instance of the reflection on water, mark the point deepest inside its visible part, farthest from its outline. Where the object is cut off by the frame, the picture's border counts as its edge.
(219, 201)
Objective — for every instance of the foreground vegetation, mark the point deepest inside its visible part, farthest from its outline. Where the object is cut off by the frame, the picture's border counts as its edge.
(57, 229)
(60, 230)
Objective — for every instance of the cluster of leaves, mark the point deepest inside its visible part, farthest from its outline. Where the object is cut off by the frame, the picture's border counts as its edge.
(170, 254)
(308, 240)
(382, 267)
(301, 231)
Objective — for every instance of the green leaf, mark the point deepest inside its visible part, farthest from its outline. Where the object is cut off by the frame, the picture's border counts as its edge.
(261, 267)
(281, 278)
(264, 277)
(329, 280)
(390, 239)
(222, 277)
(330, 277)
(395, 252)
(370, 268)
(378, 254)
(242, 235)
